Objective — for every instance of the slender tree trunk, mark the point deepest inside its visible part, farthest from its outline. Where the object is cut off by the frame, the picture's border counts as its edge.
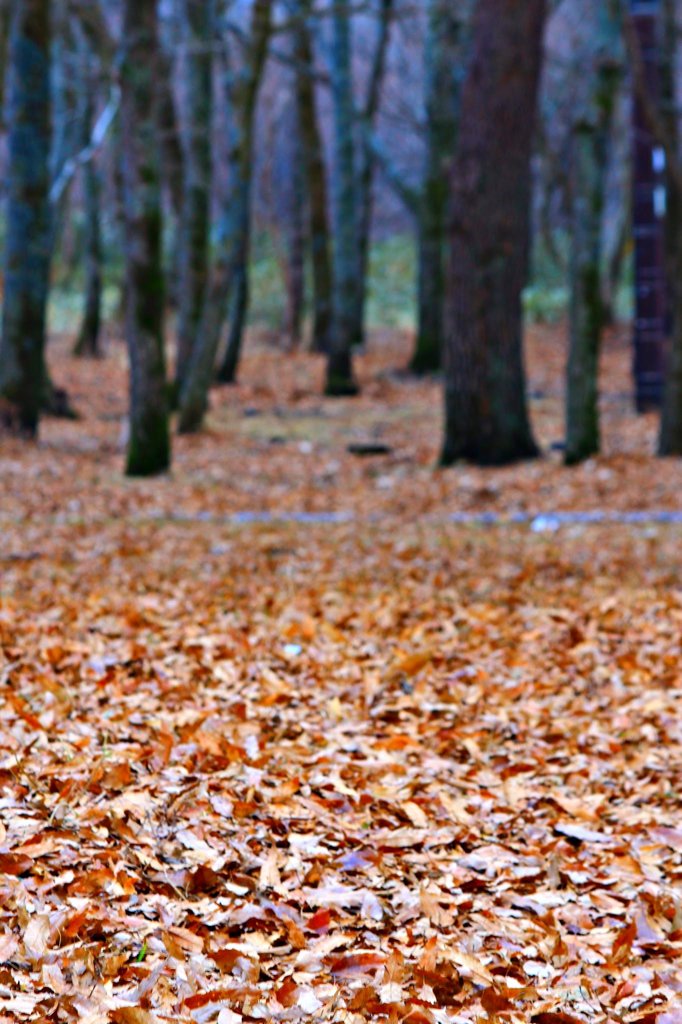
(316, 180)
(27, 253)
(88, 343)
(231, 262)
(238, 313)
(66, 128)
(149, 443)
(239, 286)
(5, 20)
(195, 226)
(340, 379)
(367, 164)
(590, 158)
(169, 134)
(444, 71)
(670, 436)
(486, 416)
(295, 241)
(586, 314)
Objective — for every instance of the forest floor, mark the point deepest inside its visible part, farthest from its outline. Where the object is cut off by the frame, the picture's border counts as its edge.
(282, 740)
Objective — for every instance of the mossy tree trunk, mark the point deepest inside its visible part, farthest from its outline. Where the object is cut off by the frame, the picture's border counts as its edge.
(340, 378)
(194, 241)
(230, 266)
(315, 177)
(486, 414)
(149, 443)
(28, 244)
(592, 132)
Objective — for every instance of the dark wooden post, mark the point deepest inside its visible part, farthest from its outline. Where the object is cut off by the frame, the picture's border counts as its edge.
(651, 293)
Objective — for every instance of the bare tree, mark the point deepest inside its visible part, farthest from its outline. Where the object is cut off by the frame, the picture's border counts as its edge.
(194, 241)
(486, 415)
(28, 245)
(592, 128)
(149, 444)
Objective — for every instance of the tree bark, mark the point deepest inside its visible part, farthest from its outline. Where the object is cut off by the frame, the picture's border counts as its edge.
(444, 63)
(316, 179)
(592, 133)
(194, 238)
(234, 233)
(169, 133)
(27, 253)
(294, 267)
(88, 343)
(367, 163)
(5, 21)
(149, 443)
(340, 378)
(486, 416)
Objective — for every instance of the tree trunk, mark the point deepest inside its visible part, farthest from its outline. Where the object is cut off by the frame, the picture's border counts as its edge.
(367, 164)
(5, 21)
(586, 314)
(194, 238)
(444, 64)
(231, 263)
(670, 436)
(27, 253)
(169, 134)
(486, 416)
(590, 165)
(88, 343)
(238, 312)
(65, 121)
(149, 443)
(294, 269)
(340, 379)
(316, 180)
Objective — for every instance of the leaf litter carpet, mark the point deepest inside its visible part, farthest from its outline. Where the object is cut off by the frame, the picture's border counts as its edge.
(391, 769)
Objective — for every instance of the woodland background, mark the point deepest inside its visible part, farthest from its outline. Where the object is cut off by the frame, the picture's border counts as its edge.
(309, 728)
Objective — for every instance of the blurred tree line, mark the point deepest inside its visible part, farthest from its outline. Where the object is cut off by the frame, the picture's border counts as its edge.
(173, 131)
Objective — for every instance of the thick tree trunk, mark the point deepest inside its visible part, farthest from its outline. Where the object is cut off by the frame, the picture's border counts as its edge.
(486, 416)
(195, 224)
(234, 229)
(27, 252)
(588, 188)
(340, 379)
(444, 64)
(316, 180)
(88, 343)
(149, 443)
